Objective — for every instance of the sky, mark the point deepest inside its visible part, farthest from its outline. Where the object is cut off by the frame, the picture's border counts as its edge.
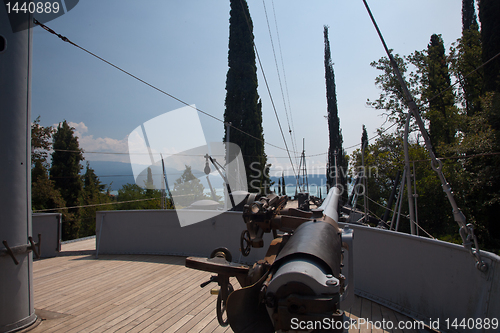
(181, 48)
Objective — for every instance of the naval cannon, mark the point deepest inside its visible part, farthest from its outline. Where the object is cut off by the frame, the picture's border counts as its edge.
(305, 278)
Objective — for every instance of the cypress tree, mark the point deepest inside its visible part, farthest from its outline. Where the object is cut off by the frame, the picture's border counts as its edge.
(65, 169)
(469, 59)
(283, 185)
(243, 105)
(65, 173)
(93, 194)
(442, 110)
(335, 133)
(489, 204)
(364, 138)
(468, 15)
(489, 12)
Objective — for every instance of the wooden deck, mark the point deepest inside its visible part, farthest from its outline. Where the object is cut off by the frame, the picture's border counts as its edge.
(138, 293)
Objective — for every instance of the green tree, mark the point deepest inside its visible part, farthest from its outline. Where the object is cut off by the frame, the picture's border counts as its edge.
(470, 133)
(442, 113)
(40, 142)
(65, 173)
(283, 185)
(392, 101)
(94, 193)
(335, 149)
(469, 18)
(364, 137)
(479, 181)
(243, 105)
(134, 197)
(383, 159)
(465, 61)
(187, 189)
(489, 12)
(43, 193)
(66, 158)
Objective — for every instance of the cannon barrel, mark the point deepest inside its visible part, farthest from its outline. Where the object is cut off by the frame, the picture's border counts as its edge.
(307, 282)
(300, 279)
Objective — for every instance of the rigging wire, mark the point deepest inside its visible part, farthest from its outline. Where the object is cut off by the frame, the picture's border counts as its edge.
(150, 85)
(373, 137)
(435, 96)
(147, 154)
(406, 216)
(93, 205)
(269, 92)
(466, 76)
(286, 84)
(294, 146)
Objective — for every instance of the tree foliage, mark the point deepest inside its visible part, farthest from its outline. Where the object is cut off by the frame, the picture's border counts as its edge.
(489, 12)
(383, 159)
(83, 190)
(66, 167)
(44, 195)
(464, 124)
(243, 105)
(135, 197)
(40, 142)
(337, 161)
(94, 194)
(442, 112)
(465, 62)
(187, 189)
(43, 192)
(65, 173)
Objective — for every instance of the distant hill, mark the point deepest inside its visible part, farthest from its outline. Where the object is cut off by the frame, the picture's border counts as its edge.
(317, 179)
(118, 174)
(115, 173)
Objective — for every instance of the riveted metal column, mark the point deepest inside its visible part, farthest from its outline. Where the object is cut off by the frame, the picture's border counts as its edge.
(16, 280)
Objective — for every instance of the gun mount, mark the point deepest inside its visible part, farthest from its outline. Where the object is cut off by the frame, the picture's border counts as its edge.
(300, 279)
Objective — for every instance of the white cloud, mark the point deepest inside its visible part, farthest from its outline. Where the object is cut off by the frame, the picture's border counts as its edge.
(99, 149)
(104, 149)
(80, 128)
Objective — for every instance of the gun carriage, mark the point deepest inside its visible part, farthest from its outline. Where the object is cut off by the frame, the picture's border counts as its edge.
(305, 276)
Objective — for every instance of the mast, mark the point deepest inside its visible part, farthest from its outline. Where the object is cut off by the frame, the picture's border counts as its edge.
(16, 260)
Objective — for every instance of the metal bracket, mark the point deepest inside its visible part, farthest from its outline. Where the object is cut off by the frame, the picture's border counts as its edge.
(12, 251)
(34, 245)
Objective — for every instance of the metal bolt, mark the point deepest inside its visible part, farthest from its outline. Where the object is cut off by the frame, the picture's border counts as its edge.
(331, 282)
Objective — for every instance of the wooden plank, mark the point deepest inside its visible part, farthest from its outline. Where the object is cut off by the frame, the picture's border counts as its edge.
(355, 314)
(140, 293)
(205, 322)
(212, 325)
(389, 315)
(110, 287)
(377, 319)
(203, 309)
(110, 305)
(364, 326)
(175, 325)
